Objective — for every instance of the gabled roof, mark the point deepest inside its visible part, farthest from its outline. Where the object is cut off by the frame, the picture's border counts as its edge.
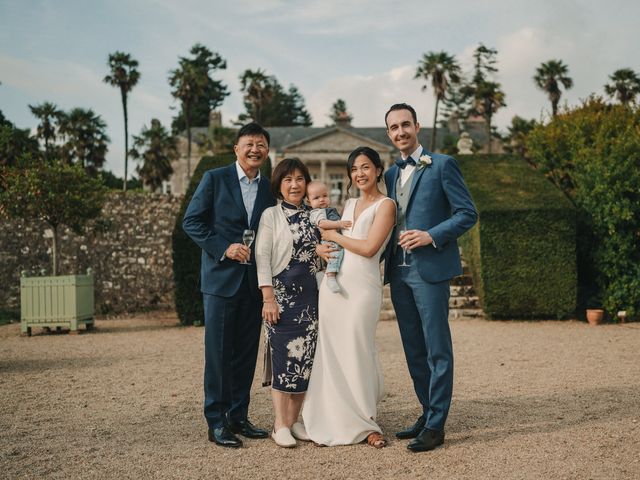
(355, 133)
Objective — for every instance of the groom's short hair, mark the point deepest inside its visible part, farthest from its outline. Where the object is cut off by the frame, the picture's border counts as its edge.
(252, 129)
(401, 106)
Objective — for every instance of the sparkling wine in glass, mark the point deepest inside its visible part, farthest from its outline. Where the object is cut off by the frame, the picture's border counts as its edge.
(247, 238)
(404, 251)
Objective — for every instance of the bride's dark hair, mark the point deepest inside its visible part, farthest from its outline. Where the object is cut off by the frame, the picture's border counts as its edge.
(371, 154)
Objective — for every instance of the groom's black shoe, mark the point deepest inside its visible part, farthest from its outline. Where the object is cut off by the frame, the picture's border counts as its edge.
(427, 440)
(413, 431)
(247, 429)
(224, 437)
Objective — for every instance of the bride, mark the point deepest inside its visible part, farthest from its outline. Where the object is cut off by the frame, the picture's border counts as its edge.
(346, 382)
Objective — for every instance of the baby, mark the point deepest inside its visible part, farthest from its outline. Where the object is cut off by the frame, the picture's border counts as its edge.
(327, 218)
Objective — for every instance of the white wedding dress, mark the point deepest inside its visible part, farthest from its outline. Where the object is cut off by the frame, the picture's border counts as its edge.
(346, 381)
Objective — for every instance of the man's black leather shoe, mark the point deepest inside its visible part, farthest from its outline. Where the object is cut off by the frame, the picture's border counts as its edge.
(413, 431)
(247, 429)
(427, 440)
(224, 437)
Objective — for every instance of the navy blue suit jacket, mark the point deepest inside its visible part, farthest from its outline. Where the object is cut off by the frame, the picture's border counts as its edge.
(216, 218)
(440, 203)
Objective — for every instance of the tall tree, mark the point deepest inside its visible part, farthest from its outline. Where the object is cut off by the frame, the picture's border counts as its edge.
(17, 147)
(124, 75)
(625, 85)
(268, 103)
(488, 99)
(443, 70)
(156, 148)
(49, 115)
(339, 112)
(191, 82)
(85, 139)
(211, 97)
(549, 76)
(485, 95)
(516, 139)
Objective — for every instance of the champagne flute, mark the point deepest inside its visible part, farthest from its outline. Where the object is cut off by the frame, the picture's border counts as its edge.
(247, 238)
(404, 251)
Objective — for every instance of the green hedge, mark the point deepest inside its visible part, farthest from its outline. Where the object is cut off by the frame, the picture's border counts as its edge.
(186, 254)
(522, 251)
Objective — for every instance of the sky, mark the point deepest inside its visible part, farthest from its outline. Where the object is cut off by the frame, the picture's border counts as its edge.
(363, 51)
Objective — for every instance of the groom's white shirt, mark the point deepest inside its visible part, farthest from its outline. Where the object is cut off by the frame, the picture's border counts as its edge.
(406, 172)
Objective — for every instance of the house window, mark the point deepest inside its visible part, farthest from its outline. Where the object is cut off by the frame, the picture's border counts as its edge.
(336, 185)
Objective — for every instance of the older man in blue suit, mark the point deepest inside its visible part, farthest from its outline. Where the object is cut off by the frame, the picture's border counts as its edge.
(434, 209)
(228, 201)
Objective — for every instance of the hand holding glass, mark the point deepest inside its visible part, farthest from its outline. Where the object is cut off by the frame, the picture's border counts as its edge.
(404, 251)
(247, 239)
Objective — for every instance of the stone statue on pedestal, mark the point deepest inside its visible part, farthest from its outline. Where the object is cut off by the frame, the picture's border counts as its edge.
(465, 144)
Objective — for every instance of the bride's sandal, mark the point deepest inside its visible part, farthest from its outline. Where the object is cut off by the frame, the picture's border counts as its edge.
(376, 440)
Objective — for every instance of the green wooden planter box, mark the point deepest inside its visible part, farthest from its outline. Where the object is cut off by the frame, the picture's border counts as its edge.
(64, 301)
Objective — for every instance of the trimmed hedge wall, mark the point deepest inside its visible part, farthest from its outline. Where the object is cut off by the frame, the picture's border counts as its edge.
(522, 251)
(186, 254)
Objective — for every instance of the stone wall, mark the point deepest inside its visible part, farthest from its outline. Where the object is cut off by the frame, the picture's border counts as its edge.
(128, 248)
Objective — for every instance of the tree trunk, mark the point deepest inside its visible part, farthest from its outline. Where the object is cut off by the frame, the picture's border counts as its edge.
(554, 107)
(435, 123)
(126, 139)
(489, 132)
(54, 251)
(187, 118)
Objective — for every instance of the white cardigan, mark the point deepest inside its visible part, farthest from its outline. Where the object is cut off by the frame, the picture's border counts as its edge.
(274, 245)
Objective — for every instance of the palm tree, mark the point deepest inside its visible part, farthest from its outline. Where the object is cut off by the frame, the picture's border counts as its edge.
(124, 76)
(48, 114)
(549, 76)
(443, 70)
(258, 90)
(189, 82)
(156, 148)
(85, 138)
(487, 100)
(625, 85)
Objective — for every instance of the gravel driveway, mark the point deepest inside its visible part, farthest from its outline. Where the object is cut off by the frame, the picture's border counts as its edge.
(531, 400)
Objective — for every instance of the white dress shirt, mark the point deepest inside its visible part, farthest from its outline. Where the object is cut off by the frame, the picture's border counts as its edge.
(406, 172)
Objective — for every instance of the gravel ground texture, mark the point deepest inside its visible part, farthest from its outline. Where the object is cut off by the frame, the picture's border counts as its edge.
(531, 400)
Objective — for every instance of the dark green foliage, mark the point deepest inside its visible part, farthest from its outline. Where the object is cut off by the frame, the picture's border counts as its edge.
(593, 154)
(186, 254)
(522, 251)
(15, 144)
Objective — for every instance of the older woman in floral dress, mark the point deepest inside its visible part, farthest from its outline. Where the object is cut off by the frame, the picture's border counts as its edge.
(287, 265)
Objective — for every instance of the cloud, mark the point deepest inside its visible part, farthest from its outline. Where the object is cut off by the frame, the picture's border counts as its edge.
(368, 97)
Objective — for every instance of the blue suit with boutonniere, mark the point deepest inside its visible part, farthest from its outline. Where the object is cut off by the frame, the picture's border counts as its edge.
(433, 199)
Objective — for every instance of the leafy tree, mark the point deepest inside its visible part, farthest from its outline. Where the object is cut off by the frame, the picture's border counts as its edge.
(212, 94)
(443, 70)
(113, 182)
(156, 148)
(549, 76)
(486, 96)
(339, 112)
(49, 115)
(85, 139)
(516, 139)
(592, 153)
(625, 85)
(268, 103)
(16, 146)
(124, 75)
(57, 194)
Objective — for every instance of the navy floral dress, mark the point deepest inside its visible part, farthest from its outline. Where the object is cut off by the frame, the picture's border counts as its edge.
(293, 338)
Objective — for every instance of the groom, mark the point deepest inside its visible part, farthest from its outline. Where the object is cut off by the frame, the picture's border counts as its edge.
(434, 209)
(228, 201)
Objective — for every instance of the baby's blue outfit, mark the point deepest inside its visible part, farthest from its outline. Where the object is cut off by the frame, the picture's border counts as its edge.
(318, 214)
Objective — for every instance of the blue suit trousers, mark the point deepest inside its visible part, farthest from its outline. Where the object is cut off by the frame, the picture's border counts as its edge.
(231, 338)
(422, 309)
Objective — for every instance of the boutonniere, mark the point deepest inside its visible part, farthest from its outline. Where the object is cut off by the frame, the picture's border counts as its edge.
(424, 161)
